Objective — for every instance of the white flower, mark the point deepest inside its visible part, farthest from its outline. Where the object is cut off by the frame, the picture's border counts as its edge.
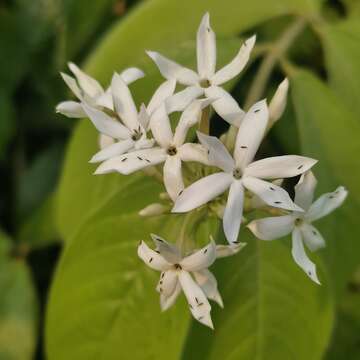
(207, 81)
(278, 102)
(171, 150)
(131, 133)
(241, 173)
(177, 271)
(88, 90)
(299, 223)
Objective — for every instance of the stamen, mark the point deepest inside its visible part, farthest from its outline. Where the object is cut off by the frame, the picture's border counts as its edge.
(124, 159)
(172, 151)
(277, 202)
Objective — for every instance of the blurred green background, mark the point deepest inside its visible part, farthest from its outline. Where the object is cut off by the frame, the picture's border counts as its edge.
(102, 303)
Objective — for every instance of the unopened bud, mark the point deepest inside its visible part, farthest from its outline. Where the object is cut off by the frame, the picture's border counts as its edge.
(278, 102)
(164, 196)
(154, 209)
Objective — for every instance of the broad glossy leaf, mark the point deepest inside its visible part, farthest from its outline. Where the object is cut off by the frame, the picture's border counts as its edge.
(329, 132)
(18, 307)
(272, 310)
(342, 55)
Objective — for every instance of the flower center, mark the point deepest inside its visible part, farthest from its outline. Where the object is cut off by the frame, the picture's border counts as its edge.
(205, 83)
(171, 150)
(177, 266)
(136, 135)
(237, 173)
(298, 221)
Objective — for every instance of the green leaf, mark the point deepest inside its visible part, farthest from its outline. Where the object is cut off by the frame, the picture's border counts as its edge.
(342, 55)
(7, 123)
(103, 304)
(330, 133)
(270, 307)
(18, 307)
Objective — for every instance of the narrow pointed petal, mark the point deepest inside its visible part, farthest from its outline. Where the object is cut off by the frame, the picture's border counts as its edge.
(202, 191)
(89, 85)
(160, 127)
(305, 189)
(280, 167)
(233, 211)
(167, 282)
(105, 100)
(182, 99)
(123, 102)
(105, 141)
(171, 70)
(236, 65)
(250, 134)
(206, 49)
(271, 228)
(193, 152)
(163, 92)
(312, 237)
(131, 74)
(225, 105)
(217, 152)
(71, 109)
(131, 162)
(105, 124)
(201, 259)
(173, 180)
(228, 250)
(72, 85)
(199, 305)
(152, 259)
(300, 257)
(169, 251)
(326, 203)
(113, 150)
(272, 194)
(167, 301)
(278, 102)
(208, 284)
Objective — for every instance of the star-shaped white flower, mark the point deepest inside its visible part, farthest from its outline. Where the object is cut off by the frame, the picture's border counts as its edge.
(171, 150)
(88, 90)
(131, 133)
(241, 173)
(189, 273)
(207, 80)
(299, 223)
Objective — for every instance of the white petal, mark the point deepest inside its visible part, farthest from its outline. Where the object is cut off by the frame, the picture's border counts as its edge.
(144, 144)
(167, 282)
(164, 91)
(88, 84)
(280, 167)
(272, 194)
(169, 251)
(167, 301)
(278, 102)
(236, 65)
(251, 133)
(182, 99)
(217, 152)
(199, 305)
(113, 150)
(124, 103)
(305, 189)
(152, 258)
(326, 203)
(193, 152)
(105, 141)
(160, 127)
(202, 191)
(271, 228)
(72, 85)
(105, 124)
(312, 237)
(300, 257)
(201, 259)
(206, 49)
(171, 70)
(105, 100)
(208, 284)
(144, 117)
(131, 162)
(233, 211)
(71, 109)
(228, 250)
(173, 177)
(225, 105)
(131, 74)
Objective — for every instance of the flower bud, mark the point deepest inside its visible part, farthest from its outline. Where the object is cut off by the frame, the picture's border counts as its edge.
(278, 102)
(153, 210)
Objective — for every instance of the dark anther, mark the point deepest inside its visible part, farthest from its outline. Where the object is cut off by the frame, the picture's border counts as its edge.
(235, 242)
(140, 158)
(197, 300)
(205, 251)
(172, 151)
(314, 232)
(277, 202)
(124, 159)
(147, 160)
(151, 259)
(243, 147)
(178, 266)
(271, 188)
(157, 251)
(180, 192)
(331, 196)
(257, 110)
(299, 167)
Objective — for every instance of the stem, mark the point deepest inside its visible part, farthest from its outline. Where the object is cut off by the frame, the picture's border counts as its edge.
(278, 50)
(204, 125)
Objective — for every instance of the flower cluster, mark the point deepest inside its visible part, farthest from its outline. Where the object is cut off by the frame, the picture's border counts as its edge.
(213, 174)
